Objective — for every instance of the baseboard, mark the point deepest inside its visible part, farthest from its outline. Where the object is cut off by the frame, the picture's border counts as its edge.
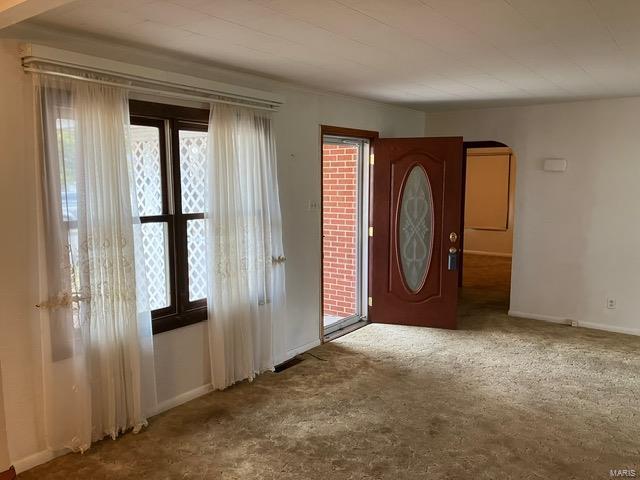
(44, 456)
(204, 389)
(488, 254)
(183, 398)
(38, 458)
(537, 316)
(567, 321)
(610, 328)
(303, 348)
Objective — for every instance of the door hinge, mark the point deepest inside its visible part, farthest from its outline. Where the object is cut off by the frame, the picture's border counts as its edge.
(371, 231)
(371, 159)
(370, 301)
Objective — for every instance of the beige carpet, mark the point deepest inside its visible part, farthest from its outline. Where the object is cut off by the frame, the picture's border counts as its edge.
(500, 398)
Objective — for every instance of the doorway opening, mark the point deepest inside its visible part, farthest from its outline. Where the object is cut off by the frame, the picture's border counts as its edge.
(345, 211)
(488, 219)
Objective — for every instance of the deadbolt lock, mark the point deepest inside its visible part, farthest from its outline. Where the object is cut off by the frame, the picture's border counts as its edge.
(453, 236)
(452, 259)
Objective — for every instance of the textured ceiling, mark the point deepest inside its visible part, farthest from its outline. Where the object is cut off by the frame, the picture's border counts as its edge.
(423, 53)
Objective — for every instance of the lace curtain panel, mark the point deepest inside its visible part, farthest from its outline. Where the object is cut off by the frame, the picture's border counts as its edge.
(244, 246)
(98, 362)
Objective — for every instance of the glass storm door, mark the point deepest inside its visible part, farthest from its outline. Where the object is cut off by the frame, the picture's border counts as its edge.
(416, 208)
(344, 190)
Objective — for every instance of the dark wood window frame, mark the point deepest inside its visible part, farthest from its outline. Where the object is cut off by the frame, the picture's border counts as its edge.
(169, 120)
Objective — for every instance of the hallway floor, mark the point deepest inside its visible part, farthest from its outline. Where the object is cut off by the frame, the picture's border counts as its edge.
(500, 398)
(487, 279)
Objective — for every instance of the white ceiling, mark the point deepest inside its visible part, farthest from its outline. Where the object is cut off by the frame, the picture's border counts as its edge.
(423, 53)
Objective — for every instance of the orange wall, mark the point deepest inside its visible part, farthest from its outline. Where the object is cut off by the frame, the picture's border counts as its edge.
(499, 242)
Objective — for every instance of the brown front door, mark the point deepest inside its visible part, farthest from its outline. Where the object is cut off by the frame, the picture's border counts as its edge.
(416, 199)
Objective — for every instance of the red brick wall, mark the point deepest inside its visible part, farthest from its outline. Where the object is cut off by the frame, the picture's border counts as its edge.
(339, 222)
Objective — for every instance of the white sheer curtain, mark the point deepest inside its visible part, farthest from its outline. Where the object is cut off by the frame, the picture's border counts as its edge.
(244, 246)
(98, 349)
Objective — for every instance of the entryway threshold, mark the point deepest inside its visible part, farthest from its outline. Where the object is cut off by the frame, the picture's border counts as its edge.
(346, 330)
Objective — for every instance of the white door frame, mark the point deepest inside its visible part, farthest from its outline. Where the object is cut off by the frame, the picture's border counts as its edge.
(362, 238)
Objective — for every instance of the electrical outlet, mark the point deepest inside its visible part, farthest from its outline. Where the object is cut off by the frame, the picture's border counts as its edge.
(574, 323)
(313, 205)
(611, 303)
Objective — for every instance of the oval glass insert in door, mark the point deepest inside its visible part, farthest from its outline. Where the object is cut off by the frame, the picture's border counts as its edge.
(415, 225)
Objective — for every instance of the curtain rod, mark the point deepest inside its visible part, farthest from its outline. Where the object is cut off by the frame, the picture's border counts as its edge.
(154, 91)
(43, 62)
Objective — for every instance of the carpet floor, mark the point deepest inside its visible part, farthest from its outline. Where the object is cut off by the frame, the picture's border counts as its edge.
(500, 398)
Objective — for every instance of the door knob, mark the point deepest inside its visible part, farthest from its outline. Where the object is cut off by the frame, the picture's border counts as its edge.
(453, 236)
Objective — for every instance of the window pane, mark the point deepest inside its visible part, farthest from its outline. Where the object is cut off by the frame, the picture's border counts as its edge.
(145, 144)
(66, 133)
(196, 259)
(155, 248)
(193, 146)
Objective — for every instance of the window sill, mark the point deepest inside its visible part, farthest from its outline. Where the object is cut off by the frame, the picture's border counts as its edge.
(171, 322)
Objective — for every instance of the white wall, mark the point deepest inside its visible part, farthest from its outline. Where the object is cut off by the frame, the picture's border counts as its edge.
(576, 233)
(19, 324)
(181, 355)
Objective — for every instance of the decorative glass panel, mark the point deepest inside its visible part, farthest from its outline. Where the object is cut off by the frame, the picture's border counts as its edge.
(193, 146)
(197, 260)
(415, 228)
(145, 144)
(155, 248)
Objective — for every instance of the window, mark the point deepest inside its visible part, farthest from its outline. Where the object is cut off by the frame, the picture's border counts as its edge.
(65, 127)
(168, 145)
